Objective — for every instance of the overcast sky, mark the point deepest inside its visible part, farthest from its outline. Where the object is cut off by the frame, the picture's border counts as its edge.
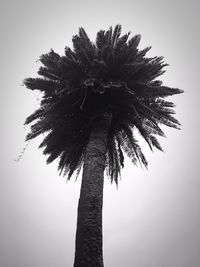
(153, 219)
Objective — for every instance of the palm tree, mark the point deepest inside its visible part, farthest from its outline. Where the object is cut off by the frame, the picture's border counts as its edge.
(94, 97)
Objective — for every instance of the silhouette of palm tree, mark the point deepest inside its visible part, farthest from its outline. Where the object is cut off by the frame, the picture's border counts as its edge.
(94, 97)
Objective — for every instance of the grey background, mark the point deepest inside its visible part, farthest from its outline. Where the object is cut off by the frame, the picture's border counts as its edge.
(152, 220)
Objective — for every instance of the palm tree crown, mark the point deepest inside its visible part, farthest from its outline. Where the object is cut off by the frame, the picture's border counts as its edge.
(111, 75)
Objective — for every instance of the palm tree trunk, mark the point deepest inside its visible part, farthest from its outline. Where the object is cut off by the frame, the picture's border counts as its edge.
(88, 250)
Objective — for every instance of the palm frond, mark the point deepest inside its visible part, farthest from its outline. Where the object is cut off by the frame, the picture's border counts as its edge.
(116, 34)
(144, 90)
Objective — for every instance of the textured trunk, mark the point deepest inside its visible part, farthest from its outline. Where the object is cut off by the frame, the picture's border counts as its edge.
(88, 250)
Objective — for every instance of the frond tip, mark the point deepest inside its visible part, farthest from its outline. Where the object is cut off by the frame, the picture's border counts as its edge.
(90, 79)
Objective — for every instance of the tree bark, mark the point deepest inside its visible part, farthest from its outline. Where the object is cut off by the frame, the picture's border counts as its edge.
(88, 248)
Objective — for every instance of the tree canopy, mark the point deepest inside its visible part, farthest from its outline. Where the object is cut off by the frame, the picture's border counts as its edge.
(111, 75)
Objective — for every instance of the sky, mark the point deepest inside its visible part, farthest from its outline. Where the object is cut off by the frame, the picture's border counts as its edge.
(152, 219)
